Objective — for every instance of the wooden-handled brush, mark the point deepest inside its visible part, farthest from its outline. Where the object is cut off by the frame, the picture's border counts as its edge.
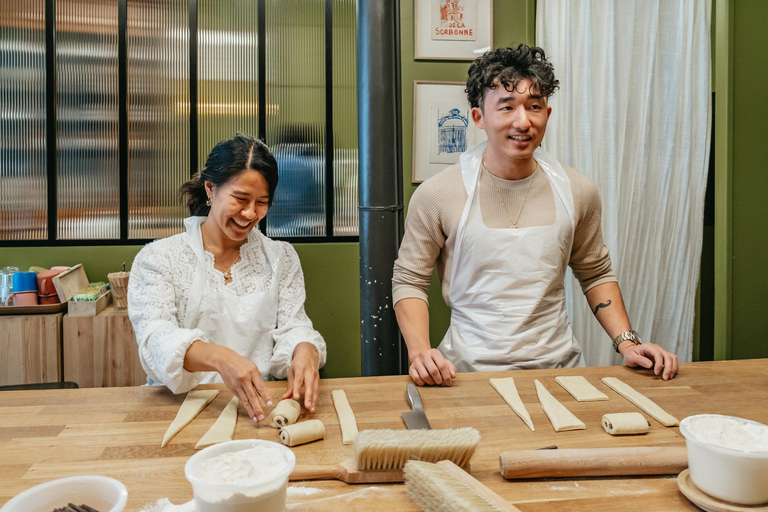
(379, 455)
(445, 486)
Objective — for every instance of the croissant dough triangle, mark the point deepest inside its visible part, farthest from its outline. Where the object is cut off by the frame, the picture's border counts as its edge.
(193, 404)
(224, 428)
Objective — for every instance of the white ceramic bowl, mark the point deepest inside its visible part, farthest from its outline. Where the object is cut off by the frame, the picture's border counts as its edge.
(99, 492)
(265, 495)
(728, 474)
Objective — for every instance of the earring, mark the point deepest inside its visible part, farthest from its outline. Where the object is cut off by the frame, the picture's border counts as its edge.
(208, 202)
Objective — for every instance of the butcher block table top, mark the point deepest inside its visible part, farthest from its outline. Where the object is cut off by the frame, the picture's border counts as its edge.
(116, 432)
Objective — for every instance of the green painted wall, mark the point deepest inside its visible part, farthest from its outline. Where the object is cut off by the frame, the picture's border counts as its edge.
(330, 271)
(749, 158)
(513, 22)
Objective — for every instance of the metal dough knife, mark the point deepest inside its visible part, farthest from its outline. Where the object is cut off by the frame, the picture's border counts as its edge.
(415, 419)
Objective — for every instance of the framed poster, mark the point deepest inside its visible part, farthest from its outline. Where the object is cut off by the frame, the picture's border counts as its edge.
(442, 127)
(452, 29)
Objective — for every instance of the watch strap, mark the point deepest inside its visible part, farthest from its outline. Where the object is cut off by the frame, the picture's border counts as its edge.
(630, 335)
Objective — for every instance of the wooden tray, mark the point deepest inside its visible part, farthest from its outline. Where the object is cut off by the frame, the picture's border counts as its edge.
(41, 309)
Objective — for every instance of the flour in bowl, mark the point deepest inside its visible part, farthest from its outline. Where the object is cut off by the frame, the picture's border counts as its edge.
(245, 467)
(732, 433)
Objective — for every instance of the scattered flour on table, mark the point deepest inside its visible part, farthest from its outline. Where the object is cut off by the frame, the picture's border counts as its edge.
(730, 433)
(165, 505)
(302, 491)
(342, 498)
(244, 467)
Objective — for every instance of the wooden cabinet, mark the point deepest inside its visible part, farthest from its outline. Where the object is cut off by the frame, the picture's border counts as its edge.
(101, 350)
(30, 349)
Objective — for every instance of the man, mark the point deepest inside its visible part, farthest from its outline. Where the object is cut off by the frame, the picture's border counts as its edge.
(502, 226)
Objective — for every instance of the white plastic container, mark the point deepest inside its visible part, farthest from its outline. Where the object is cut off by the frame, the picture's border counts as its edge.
(737, 476)
(265, 495)
(99, 492)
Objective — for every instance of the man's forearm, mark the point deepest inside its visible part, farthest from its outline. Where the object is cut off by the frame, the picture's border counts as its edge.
(607, 305)
(413, 318)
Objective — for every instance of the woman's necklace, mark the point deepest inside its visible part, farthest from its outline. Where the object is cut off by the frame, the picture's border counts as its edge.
(226, 271)
(504, 203)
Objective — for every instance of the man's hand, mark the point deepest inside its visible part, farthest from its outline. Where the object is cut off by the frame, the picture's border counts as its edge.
(650, 355)
(431, 368)
(304, 371)
(243, 378)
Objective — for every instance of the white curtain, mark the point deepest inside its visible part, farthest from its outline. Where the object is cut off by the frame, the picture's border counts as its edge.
(633, 113)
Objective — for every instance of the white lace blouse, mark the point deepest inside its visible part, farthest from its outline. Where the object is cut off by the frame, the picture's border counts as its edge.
(158, 291)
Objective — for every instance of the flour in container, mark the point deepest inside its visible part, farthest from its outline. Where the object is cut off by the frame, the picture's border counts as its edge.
(253, 471)
(732, 433)
(246, 467)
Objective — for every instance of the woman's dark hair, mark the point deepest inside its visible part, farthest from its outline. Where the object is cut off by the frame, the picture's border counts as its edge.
(507, 66)
(229, 158)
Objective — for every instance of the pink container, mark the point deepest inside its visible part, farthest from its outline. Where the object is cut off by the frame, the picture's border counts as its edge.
(23, 298)
(46, 291)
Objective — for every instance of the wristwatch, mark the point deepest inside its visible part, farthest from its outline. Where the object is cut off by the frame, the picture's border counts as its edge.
(629, 335)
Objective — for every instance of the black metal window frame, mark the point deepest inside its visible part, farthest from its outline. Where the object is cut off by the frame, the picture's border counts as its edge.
(51, 134)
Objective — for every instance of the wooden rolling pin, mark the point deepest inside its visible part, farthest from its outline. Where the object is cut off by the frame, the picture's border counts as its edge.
(661, 460)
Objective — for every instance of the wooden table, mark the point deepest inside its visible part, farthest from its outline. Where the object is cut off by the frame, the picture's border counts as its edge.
(117, 431)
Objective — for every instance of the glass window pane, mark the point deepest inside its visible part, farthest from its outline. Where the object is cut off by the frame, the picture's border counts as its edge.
(23, 172)
(87, 120)
(158, 115)
(227, 55)
(345, 217)
(295, 113)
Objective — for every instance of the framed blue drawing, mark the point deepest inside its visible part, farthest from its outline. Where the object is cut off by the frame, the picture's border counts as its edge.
(452, 29)
(442, 127)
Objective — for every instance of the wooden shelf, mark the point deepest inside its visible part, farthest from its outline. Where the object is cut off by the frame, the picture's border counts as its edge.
(101, 351)
(30, 349)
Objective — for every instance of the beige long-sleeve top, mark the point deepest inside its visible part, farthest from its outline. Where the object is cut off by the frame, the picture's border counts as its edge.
(435, 210)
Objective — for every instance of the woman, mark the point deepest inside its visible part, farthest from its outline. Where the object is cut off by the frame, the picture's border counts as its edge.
(222, 302)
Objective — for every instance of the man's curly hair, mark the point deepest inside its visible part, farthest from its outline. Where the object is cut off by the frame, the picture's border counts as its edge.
(507, 67)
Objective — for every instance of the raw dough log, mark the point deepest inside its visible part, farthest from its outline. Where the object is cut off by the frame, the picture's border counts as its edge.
(580, 388)
(625, 423)
(304, 432)
(346, 416)
(193, 404)
(224, 428)
(285, 413)
(508, 391)
(642, 401)
(560, 417)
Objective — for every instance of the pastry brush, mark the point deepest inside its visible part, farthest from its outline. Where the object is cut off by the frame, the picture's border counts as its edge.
(379, 455)
(445, 486)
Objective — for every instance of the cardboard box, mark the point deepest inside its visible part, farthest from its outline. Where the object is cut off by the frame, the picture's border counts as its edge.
(69, 283)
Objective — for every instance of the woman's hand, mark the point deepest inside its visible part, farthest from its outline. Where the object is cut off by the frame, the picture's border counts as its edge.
(243, 378)
(240, 374)
(304, 371)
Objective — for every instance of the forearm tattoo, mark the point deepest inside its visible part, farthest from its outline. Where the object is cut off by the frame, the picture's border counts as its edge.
(602, 305)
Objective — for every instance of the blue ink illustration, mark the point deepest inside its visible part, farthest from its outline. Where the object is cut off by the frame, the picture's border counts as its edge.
(452, 132)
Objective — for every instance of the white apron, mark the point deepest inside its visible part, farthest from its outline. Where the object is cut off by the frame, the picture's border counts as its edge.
(245, 323)
(500, 276)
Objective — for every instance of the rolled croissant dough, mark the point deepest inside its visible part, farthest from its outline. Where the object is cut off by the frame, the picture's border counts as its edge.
(195, 402)
(623, 423)
(346, 416)
(560, 417)
(286, 412)
(580, 388)
(224, 428)
(642, 401)
(304, 432)
(508, 391)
